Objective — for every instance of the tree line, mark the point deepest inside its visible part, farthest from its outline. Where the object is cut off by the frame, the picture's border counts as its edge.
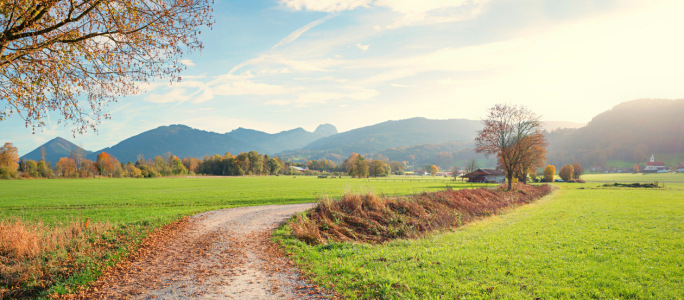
(76, 165)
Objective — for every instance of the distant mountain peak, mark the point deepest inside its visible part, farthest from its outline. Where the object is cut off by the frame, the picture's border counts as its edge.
(326, 130)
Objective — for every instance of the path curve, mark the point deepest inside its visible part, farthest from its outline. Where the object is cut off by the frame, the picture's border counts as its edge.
(214, 255)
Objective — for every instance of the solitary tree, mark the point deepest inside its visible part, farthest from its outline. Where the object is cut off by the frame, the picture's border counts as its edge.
(513, 133)
(434, 170)
(578, 170)
(636, 168)
(9, 156)
(566, 172)
(549, 172)
(74, 57)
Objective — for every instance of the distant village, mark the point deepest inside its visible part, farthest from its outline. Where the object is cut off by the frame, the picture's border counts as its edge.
(652, 166)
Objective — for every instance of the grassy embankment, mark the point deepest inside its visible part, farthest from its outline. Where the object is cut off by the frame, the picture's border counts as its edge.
(577, 243)
(50, 215)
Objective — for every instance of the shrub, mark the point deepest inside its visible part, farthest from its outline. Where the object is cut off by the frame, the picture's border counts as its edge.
(8, 173)
(549, 173)
(373, 219)
(566, 172)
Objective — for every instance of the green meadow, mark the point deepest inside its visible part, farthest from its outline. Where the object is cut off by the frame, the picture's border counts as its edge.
(581, 242)
(638, 177)
(121, 201)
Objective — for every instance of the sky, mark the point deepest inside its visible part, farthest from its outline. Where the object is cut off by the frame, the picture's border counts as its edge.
(281, 64)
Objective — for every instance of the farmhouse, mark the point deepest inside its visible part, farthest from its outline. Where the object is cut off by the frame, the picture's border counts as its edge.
(486, 175)
(680, 167)
(655, 166)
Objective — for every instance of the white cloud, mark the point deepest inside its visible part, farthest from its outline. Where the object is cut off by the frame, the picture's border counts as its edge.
(362, 47)
(277, 59)
(187, 62)
(297, 33)
(400, 85)
(354, 93)
(278, 102)
(431, 12)
(326, 5)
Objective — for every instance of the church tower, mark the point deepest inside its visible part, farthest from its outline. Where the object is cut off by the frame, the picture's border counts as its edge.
(652, 158)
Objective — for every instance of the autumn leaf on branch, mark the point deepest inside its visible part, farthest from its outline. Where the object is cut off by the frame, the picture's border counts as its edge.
(74, 57)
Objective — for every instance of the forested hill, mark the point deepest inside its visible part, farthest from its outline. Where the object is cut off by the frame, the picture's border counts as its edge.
(629, 132)
(54, 150)
(180, 140)
(390, 134)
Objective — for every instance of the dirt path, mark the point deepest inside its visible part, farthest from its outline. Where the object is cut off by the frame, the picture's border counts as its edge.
(215, 255)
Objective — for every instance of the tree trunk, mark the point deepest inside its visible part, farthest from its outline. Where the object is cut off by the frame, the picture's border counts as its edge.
(510, 181)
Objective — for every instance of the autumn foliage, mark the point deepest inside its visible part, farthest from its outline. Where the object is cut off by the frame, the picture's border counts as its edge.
(566, 172)
(373, 219)
(56, 53)
(514, 134)
(549, 173)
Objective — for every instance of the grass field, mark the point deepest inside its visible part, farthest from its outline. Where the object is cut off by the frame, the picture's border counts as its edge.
(638, 177)
(134, 207)
(592, 243)
(130, 200)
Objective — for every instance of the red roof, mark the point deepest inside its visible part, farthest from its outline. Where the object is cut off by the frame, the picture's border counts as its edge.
(656, 163)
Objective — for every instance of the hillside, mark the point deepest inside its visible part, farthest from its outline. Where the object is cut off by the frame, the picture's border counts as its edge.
(180, 140)
(285, 140)
(630, 132)
(54, 150)
(390, 134)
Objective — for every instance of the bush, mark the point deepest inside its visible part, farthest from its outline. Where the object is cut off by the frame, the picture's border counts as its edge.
(8, 173)
(372, 219)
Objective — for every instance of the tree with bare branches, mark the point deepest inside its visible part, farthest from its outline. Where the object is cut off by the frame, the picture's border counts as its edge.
(514, 134)
(74, 57)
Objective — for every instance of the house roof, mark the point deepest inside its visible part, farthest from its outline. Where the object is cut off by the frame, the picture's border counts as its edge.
(298, 168)
(486, 172)
(656, 163)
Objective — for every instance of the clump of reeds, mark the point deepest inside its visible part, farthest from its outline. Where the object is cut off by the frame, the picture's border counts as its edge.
(32, 253)
(373, 219)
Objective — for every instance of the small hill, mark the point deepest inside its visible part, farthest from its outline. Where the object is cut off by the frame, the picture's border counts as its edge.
(54, 150)
(390, 134)
(180, 140)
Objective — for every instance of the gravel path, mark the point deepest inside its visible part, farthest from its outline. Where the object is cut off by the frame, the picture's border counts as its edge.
(215, 255)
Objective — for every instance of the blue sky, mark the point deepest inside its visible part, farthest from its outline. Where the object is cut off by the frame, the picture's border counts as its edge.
(278, 65)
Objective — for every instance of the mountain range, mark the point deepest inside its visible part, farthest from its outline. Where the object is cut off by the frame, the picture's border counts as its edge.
(294, 144)
(643, 125)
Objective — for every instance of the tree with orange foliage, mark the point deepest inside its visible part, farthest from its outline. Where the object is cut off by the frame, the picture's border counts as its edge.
(106, 164)
(566, 172)
(434, 170)
(636, 168)
(53, 53)
(66, 167)
(9, 156)
(514, 134)
(549, 173)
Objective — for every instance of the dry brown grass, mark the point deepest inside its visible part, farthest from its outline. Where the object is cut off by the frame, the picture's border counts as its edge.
(372, 219)
(32, 254)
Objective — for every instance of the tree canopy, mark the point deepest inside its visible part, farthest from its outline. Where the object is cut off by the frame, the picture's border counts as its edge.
(56, 53)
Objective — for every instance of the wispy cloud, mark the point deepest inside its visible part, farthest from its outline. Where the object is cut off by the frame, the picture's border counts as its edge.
(297, 33)
(326, 5)
(362, 47)
(187, 62)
